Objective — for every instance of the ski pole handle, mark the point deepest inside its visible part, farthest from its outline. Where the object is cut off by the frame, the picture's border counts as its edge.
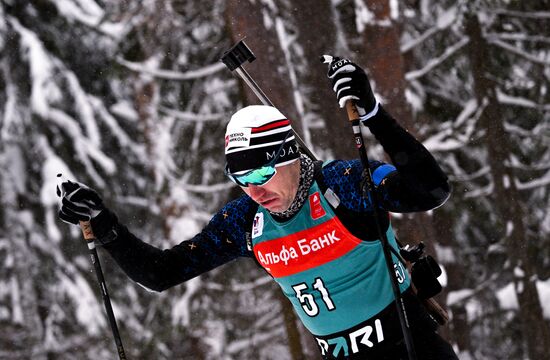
(351, 109)
(87, 231)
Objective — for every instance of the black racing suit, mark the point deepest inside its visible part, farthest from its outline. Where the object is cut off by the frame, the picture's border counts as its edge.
(414, 182)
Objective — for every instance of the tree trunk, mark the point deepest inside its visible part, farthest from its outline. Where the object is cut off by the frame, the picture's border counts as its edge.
(458, 330)
(245, 21)
(381, 55)
(507, 200)
(311, 17)
(268, 72)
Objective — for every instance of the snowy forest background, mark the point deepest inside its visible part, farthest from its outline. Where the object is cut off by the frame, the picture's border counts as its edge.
(130, 98)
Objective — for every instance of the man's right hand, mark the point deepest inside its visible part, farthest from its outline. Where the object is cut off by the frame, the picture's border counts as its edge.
(78, 202)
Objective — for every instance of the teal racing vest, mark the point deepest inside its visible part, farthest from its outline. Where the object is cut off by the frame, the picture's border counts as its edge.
(334, 280)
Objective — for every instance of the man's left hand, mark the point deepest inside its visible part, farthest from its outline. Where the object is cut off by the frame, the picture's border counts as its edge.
(350, 82)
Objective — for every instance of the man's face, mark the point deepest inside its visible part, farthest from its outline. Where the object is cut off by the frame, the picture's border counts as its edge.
(279, 192)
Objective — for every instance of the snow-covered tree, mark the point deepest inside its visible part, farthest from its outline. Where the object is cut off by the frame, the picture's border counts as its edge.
(481, 68)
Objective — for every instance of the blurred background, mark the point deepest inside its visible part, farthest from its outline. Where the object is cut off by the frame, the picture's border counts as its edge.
(130, 98)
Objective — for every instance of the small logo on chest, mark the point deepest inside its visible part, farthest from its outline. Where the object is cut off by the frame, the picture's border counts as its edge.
(316, 209)
(258, 225)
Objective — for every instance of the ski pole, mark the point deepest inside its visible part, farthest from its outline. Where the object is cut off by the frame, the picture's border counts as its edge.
(234, 58)
(353, 117)
(89, 236)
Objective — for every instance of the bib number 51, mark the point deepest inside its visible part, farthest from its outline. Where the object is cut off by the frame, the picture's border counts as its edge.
(307, 300)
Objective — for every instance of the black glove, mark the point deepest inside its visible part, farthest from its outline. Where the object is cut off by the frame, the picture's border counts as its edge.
(79, 202)
(350, 82)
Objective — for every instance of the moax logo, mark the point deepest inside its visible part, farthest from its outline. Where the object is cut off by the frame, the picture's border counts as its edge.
(284, 152)
(340, 63)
